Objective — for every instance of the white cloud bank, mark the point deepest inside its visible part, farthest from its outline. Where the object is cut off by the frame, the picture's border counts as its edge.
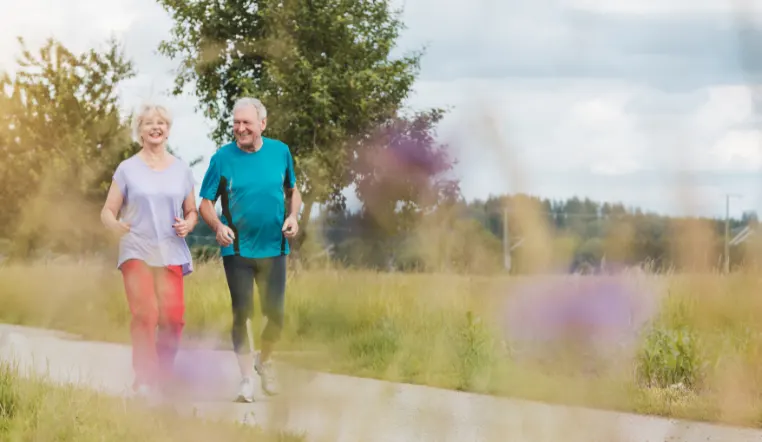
(605, 99)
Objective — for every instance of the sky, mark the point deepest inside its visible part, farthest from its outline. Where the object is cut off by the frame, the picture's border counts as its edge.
(652, 103)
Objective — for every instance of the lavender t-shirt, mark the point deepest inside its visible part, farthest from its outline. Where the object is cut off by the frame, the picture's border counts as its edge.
(152, 200)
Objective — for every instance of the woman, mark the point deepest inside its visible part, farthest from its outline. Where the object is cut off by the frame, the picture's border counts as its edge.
(153, 190)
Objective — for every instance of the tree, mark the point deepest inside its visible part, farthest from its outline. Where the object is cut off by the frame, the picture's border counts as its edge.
(401, 176)
(62, 135)
(322, 68)
(749, 218)
(401, 172)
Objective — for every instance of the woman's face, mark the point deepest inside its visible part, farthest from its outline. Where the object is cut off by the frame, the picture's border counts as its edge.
(154, 130)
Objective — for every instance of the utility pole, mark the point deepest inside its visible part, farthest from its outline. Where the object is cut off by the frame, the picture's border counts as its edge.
(506, 240)
(727, 230)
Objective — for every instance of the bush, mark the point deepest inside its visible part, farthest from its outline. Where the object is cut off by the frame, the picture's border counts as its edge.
(669, 357)
(204, 254)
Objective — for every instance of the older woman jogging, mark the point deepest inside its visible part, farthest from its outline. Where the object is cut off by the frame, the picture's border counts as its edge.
(151, 206)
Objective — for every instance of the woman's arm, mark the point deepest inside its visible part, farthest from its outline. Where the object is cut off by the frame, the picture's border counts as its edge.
(190, 211)
(111, 208)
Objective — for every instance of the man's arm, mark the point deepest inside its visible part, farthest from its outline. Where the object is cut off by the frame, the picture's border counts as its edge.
(208, 214)
(294, 197)
(223, 234)
(209, 189)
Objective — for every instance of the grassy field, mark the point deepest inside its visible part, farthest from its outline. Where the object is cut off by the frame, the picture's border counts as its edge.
(699, 358)
(33, 410)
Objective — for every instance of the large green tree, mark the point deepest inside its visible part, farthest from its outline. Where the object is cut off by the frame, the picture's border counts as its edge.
(323, 68)
(61, 136)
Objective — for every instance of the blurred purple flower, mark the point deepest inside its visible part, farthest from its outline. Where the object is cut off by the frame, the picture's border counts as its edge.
(203, 371)
(601, 315)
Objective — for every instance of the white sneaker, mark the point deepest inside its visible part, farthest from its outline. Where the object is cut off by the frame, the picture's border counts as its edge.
(246, 391)
(151, 396)
(267, 375)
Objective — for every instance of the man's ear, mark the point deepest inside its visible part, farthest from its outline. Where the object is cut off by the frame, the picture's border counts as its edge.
(264, 124)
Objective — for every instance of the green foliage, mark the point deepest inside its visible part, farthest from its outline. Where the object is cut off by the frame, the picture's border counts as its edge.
(374, 346)
(9, 397)
(37, 409)
(400, 172)
(670, 356)
(323, 69)
(444, 330)
(61, 137)
(476, 352)
(63, 114)
(605, 231)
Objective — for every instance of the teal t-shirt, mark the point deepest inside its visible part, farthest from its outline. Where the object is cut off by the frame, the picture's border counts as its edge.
(251, 187)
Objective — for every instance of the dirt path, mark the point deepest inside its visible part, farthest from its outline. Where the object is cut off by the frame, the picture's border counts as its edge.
(341, 408)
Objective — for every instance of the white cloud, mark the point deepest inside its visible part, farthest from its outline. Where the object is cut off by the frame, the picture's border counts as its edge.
(576, 109)
(726, 107)
(81, 23)
(562, 128)
(140, 25)
(738, 150)
(653, 6)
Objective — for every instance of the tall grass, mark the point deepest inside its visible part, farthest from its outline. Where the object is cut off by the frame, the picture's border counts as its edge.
(699, 358)
(32, 409)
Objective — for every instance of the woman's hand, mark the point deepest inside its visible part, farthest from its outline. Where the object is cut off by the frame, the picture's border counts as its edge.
(182, 227)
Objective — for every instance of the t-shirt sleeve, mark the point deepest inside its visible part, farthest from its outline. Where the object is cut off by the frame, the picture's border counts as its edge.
(120, 179)
(190, 181)
(211, 181)
(290, 179)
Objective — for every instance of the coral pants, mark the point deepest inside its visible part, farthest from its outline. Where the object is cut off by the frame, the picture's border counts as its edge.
(155, 297)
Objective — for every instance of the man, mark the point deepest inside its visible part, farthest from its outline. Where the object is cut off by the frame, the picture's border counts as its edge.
(253, 177)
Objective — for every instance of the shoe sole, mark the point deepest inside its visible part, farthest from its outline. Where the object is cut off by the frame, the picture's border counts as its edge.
(264, 390)
(243, 400)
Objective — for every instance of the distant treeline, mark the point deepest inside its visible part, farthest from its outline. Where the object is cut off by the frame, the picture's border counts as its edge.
(576, 234)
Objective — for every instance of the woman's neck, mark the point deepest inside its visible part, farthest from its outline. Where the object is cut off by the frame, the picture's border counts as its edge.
(156, 157)
(155, 152)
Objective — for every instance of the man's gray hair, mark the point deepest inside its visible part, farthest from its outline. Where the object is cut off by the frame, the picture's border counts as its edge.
(248, 101)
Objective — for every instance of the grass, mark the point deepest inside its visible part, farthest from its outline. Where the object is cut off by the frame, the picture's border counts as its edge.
(32, 409)
(698, 359)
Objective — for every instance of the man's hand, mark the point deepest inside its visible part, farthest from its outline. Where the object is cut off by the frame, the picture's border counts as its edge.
(182, 227)
(290, 227)
(225, 235)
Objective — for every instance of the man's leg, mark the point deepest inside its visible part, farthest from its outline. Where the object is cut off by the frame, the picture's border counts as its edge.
(169, 290)
(271, 281)
(239, 273)
(141, 298)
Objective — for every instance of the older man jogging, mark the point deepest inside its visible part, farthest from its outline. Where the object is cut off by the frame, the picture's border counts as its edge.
(253, 177)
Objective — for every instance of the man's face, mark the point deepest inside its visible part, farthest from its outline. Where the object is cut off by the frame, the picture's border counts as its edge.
(247, 126)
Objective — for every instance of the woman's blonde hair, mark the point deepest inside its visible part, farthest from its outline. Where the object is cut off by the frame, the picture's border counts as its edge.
(144, 111)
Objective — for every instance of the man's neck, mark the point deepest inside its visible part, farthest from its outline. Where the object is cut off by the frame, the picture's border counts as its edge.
(254, 147)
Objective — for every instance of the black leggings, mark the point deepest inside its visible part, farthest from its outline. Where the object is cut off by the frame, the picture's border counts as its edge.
(270, 277)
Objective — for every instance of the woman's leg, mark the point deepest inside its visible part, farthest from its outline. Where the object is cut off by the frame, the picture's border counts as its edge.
(171, 299)
(139, 288)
